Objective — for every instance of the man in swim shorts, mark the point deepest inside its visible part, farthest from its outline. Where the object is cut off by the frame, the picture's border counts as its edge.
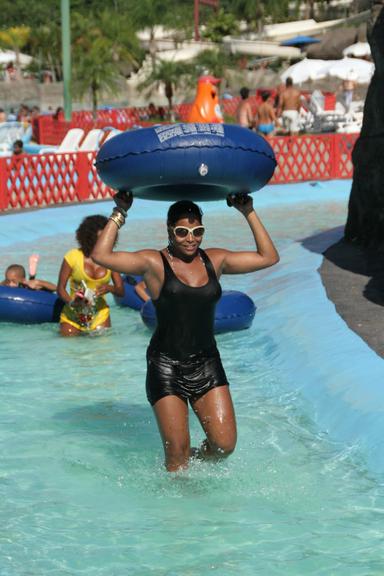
(289, 107)
(265, 118)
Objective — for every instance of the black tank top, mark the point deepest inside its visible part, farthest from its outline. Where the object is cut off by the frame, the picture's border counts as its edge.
(185, 315)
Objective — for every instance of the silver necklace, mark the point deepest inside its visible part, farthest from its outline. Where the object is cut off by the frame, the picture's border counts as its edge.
(171, 257)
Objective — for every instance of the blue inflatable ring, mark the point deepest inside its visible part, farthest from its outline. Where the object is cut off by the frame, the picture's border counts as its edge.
(234, 311)
(25, 306)
(194, 161)
(130, 298)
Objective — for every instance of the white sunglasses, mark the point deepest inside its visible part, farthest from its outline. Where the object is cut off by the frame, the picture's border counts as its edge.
(184, 231)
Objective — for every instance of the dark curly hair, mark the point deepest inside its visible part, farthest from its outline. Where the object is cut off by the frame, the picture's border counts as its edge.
(86, 234)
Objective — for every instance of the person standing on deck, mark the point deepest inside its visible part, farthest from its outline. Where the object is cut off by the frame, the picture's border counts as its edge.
(289, 107)
(244, 115)
(265, 118)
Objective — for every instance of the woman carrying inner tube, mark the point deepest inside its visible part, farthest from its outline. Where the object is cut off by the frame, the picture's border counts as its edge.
(183, 363)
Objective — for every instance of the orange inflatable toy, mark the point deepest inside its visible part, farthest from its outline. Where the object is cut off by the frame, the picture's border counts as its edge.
(206, 107)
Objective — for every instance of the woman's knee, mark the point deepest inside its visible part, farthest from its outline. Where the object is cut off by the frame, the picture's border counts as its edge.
(225, 449)
(221, 447)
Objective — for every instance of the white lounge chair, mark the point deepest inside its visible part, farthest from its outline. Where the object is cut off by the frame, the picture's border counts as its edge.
(320, 120)
(112, 133)
(70, 142)
(92, 140)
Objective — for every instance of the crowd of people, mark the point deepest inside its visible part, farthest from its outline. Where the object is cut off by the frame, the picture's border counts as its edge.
(24, 114)
(279, 113)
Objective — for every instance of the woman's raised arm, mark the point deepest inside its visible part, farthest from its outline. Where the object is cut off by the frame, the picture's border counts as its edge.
(103, 253)
(248, 261)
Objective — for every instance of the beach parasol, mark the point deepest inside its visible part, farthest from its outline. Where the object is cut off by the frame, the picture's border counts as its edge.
(355, 69)
(299, 41)
(306, 69)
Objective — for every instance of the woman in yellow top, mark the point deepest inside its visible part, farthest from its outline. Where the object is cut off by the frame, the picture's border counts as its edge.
(85, 307)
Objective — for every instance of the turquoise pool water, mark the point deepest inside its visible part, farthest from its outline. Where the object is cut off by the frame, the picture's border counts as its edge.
(82, 486)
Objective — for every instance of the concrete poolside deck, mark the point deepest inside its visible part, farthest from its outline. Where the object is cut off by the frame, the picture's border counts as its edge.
(354, 281)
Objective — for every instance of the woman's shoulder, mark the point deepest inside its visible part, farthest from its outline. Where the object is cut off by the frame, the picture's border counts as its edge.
(150, 252)
(215, 252)
(151, 256)
(216, 256)
(73, 255)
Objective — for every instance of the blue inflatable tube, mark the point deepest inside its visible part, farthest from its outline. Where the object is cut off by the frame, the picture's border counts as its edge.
(194, 161)
(234, 311)
(130, 298)
(25, 306)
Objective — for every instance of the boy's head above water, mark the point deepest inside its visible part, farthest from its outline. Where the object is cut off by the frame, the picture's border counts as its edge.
(14, 275)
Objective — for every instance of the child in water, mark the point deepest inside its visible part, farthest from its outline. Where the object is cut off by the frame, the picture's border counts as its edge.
(15, 277)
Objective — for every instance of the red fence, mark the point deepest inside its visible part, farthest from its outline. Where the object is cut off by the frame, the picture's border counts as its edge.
(313, 157)
(50, 130)
(30, 181)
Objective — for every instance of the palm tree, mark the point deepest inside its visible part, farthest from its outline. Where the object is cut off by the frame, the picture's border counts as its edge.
(151, 13)
(46, 48)
(101, 45)
(220, 25)
(254, 12)
(213, 62)
(171, 75)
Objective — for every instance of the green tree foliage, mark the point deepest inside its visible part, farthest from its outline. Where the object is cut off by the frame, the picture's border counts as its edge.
(172, 14)
(211, 62)
(33, 14)
(219, 25)
(104, 41)
(101, 45)
(171, 75)
(15, 38)
(255, 12)
(45, 45)
(169, 13)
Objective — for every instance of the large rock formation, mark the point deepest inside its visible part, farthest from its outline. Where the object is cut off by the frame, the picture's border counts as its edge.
(365, 223)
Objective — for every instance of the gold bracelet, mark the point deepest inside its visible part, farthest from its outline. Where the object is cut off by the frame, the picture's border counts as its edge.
(116, 220)
(119, 214)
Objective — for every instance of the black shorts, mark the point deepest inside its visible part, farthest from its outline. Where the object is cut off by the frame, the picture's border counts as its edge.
(188, 379)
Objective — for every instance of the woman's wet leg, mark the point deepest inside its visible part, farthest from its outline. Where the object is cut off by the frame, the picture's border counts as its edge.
(172, 419)
(217, 417)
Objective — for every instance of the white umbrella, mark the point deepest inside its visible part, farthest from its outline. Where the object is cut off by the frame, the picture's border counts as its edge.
(355, 69)
(306, 69)
(7, 56)
(358, 50)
